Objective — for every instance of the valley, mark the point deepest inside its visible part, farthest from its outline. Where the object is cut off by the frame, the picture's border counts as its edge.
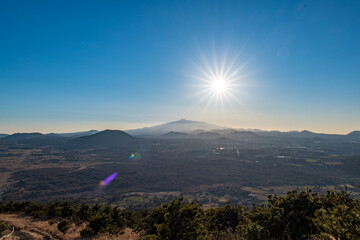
(238, 166)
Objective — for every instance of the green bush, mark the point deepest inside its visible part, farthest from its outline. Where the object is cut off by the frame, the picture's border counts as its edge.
(297, 215)
(87, 233)
(177, 220)
(288, 217)
(222, 222)
(101, 223)
(3, 228)
(63, 226)
(340, 218)
(84, 212)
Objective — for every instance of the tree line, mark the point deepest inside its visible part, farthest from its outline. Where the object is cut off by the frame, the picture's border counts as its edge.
(297, 215)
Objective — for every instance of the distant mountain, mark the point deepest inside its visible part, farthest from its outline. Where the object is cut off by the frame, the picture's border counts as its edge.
(182, 125)
(74, 134)
(33, 139)
(23, 136)
(103, 139)
(213, 134)
(306, 133)
(354, 133)
(296, 134)
(3, 135)
(241, 135)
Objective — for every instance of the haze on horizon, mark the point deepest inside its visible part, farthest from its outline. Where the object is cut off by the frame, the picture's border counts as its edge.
(75, 66)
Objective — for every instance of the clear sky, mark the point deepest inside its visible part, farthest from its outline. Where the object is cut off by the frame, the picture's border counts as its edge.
(80, 65)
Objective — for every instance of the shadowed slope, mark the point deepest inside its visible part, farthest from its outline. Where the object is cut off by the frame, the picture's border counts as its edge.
(104, 138)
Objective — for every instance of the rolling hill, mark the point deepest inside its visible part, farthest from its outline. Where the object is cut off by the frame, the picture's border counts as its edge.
(22, 136)
(175, 135)
(354, 133)
(103, 139)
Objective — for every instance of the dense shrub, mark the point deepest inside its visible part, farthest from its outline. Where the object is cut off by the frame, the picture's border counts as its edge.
(288, 217)
(177, 220)
(223, 222)
(340, 217)
(3, 228)
(297, 215)
(63, 226)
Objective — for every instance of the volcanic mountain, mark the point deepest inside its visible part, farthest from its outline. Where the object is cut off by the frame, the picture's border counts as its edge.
(182, 125)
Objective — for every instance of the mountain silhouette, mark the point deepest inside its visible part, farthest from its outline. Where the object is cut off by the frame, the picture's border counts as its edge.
(181, 125)
(23, 136)
(74, 134)
(103, 139)
(354, 133)
(175, 135)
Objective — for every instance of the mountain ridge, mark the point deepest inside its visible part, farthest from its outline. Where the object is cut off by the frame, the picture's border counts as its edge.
(182, 125)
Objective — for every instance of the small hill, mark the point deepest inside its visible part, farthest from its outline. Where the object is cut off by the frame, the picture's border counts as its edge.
(241, 135)
(197, 131)
(3, 135)
(104, 138)
(35, 139)
(23, 136)
(354, 133)
(305, 134)
(175, 135)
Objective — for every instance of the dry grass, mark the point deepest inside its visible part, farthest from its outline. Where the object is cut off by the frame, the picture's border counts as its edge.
(128, 235)
(30, 228)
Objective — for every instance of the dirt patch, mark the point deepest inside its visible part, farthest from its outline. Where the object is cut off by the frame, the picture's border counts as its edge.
(32, 229)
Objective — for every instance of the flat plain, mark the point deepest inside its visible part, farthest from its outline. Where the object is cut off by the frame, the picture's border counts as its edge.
(245, 168)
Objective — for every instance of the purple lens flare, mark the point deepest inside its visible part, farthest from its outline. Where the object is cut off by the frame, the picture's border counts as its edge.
(108, 179)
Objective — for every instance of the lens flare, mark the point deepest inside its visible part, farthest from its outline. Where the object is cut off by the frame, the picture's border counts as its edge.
(135, 156)
(108, 180)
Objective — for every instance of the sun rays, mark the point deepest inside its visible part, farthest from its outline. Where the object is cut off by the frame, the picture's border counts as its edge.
(220, 82)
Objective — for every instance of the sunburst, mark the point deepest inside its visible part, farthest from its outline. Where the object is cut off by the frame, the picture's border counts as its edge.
(221, 82)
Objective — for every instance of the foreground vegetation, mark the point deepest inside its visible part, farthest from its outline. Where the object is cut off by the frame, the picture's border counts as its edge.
(298, 215)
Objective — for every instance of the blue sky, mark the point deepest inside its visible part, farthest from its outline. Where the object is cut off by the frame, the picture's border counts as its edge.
(79, 65)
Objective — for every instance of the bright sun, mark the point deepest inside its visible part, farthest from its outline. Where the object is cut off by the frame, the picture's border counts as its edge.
(219, 86)
(222, 81)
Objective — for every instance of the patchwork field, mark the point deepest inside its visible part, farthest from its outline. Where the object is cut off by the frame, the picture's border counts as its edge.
(209, 171)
